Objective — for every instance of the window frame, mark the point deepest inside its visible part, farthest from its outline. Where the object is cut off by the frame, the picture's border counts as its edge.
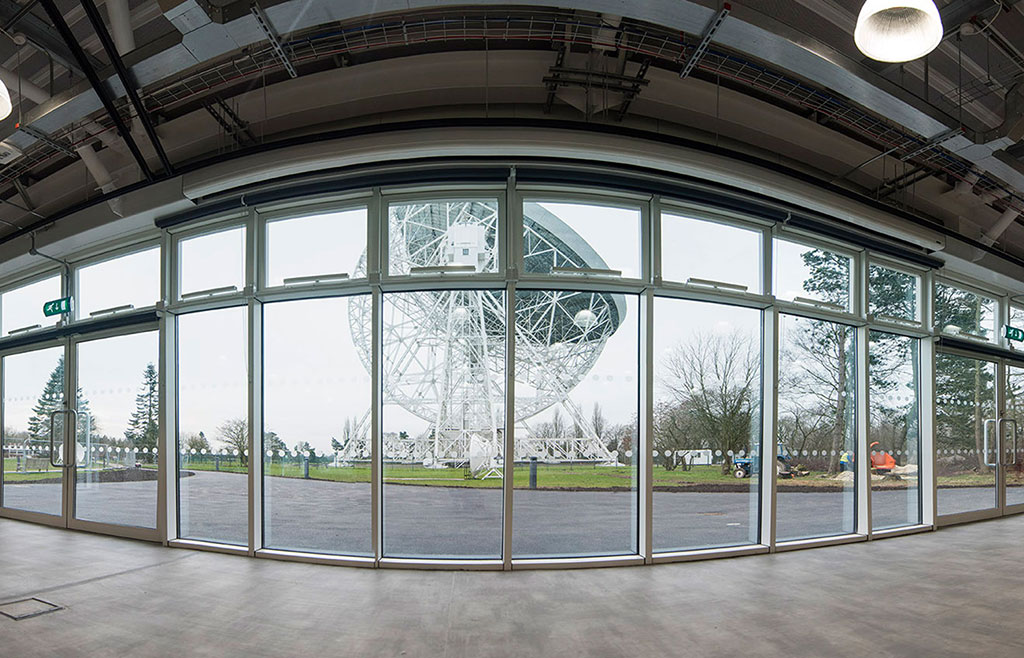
(975, 290)
(762, 228)
(442, 194)
(265, 215)
(43, 273)
(220, 224)
(584, 196)
(127, 250)
(884, 323)
(855, 314)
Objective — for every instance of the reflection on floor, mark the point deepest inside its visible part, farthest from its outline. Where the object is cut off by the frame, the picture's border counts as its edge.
(887, 597)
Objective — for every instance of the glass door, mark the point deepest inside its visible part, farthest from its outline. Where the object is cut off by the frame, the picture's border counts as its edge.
(979, 448)
(87, 461)
(33, 446)
(966, 437)
(1013, 442)
(116, 437)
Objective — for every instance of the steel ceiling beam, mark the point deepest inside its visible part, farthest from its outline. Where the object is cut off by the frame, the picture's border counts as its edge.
(127, 81)
(18, 18)
(98, 86)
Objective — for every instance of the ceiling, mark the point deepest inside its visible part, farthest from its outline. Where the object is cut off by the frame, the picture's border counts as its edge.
(101, 107)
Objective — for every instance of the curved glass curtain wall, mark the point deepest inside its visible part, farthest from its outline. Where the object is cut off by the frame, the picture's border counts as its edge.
(497, 375)
(563, 389)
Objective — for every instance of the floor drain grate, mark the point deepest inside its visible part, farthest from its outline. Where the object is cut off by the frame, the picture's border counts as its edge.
(26, 608)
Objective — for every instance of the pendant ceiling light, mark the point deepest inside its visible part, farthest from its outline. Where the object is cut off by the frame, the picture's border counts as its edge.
(5, 102)
(898, 30)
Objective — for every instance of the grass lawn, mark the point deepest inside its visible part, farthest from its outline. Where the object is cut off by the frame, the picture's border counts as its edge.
(11, 474)
(549, 476)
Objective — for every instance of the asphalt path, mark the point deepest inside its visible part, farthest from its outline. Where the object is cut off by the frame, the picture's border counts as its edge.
(422, 521)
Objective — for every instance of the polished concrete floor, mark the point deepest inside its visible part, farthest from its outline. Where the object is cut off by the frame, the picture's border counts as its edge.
(956, 592)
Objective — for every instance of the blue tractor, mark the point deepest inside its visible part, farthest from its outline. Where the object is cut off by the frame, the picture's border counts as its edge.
(744, 467)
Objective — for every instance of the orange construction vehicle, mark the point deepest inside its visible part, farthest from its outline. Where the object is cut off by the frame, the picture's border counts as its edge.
(881, 461)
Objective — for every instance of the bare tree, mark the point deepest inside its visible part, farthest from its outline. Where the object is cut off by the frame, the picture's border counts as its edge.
(553, 429)
(235, 434)
(598, 422)
(714, 380)
(672, 433)
(820, 383)
(196, 442)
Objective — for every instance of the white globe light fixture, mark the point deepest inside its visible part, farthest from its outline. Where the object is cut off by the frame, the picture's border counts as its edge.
(5, 102)
(898, 30)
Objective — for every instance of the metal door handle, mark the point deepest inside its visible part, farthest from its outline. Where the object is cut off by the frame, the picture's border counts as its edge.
(988, 421)
(53, 415)
(1013, 450)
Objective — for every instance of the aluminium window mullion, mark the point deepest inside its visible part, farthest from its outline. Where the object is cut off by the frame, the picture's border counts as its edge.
(645, 444)
(508, 483)
(513, 257)
(769, 424)
(167, 463)
(862, 418)
(253, 274)
(376, 260)
(862, 424)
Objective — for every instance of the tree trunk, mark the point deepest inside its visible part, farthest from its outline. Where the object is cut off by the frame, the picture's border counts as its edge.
(839, 438)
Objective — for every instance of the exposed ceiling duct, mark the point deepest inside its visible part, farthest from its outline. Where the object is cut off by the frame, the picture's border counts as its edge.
(205, 35)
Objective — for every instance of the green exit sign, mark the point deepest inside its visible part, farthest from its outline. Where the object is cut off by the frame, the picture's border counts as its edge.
(1013, 333)
(57, 307)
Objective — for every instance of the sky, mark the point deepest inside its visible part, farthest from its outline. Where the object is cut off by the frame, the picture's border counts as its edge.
(314, 376)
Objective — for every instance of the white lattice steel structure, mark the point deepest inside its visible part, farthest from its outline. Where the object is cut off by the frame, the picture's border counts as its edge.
(444, 350)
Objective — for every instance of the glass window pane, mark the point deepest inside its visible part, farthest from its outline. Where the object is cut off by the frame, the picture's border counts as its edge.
(707, 425)
(33, 387)
(576, 363)
(133, 279)
(1014, 446)
(443, 421)
(892, 295)
(579, 235)
(444, 233)
(965, 427)
(806, 273)
(212, 261)
(118, 430)
(699, 249)
(316, 410)
(23, 307)
(817, 429)
(213, 430)
(959, 311)
(328, 243)
(894, 435)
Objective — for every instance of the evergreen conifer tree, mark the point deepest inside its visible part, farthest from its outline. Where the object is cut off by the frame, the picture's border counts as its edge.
(52, 399)
(144, 425)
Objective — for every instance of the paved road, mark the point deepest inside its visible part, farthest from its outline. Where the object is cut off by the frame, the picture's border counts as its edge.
(320, 516)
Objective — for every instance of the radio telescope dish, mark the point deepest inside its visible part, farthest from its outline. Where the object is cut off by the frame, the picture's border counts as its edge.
(443, 351)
